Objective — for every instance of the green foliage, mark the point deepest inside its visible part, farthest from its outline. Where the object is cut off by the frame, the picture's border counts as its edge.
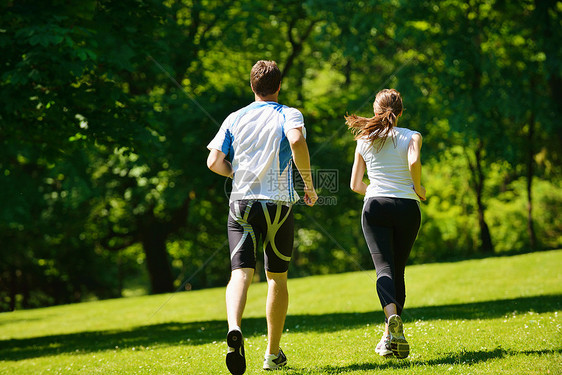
(450, 230)
(511, 205)
(107, 107)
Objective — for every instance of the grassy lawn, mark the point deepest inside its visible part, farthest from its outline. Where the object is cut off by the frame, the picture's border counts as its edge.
(490, 316)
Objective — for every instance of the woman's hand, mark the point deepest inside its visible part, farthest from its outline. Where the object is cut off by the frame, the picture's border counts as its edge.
(420, 192)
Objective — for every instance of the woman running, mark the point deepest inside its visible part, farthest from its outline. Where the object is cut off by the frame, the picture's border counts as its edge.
(391, 214)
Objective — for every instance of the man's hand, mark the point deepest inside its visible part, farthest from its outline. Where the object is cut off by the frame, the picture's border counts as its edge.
(310, 197)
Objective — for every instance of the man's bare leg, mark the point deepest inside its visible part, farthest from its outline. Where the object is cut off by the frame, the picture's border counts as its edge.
(276, 309)
(236, 295)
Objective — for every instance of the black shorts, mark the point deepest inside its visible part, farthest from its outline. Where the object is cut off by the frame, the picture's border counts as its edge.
(252, 221)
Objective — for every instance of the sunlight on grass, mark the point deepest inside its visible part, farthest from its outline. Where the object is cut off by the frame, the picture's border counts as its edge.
(489, 316)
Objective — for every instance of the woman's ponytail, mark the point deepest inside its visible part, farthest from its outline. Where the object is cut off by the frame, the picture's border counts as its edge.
(387, 106)
(388, 118)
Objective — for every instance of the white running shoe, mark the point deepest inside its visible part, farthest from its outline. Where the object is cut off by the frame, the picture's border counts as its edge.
(274, 362)
(383, 347)
(398, 343)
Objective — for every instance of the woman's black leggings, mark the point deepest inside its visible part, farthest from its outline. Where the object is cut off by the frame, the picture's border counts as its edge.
(390, 226)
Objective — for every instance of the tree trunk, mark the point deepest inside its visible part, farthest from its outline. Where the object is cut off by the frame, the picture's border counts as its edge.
(153, 235)
(485, 237)
(13, 289)
(296, 45)
(486, 245)
(530, 173)
(159, 270)
(300, 79)
(476, 169)
(120, 282)
(546, 35)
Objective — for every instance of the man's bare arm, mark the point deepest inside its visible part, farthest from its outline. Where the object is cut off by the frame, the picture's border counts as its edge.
(302, 162)
(217, 163)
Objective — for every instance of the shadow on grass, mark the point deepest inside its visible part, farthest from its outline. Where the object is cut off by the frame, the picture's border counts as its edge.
(461, 358)
(200, 333)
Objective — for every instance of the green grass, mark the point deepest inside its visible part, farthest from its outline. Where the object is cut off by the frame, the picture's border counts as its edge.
(490, 316)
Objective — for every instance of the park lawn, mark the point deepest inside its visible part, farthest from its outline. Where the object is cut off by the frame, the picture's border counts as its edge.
(498, 315)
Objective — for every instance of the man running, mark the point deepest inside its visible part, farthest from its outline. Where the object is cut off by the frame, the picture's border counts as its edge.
(262, 140)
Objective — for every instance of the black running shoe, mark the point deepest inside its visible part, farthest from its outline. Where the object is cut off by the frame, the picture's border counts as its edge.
(235, 359)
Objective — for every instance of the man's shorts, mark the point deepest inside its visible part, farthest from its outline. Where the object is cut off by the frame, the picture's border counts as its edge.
(252, 221)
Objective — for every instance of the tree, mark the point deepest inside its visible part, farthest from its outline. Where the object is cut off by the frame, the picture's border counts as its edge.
(108, 106)
(48, 90)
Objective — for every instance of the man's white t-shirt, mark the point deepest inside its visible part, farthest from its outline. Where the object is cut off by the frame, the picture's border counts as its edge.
(255, 140)
(388, 169)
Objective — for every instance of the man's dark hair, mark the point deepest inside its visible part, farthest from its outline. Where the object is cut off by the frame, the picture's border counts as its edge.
(265, 77)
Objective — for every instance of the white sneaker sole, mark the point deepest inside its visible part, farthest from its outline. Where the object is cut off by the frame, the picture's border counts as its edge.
(267, 365)
(384, 352)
